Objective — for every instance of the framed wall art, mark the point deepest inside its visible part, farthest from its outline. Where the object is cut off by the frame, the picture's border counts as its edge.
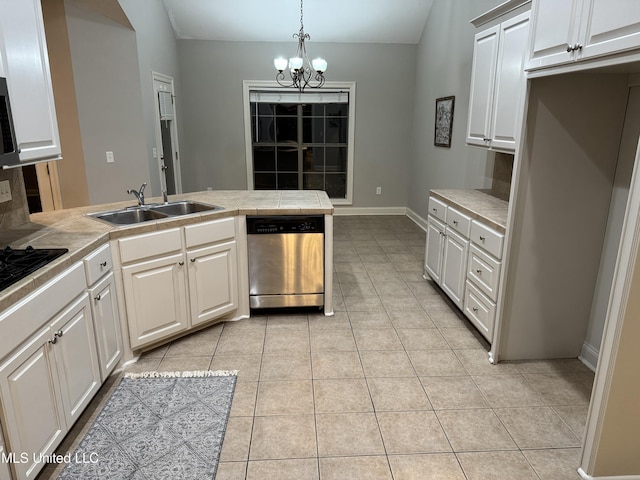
(444, 121)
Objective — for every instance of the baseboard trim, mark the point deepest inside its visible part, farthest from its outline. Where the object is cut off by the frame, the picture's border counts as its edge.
(338, 210)
(589, 356)
(586, 476)
(420, 221)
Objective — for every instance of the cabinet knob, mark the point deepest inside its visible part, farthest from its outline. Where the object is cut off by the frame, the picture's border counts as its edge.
(435, 209)
(478, 271)
(59, 333)
(482, 238)
(455, 222)
(181, 263)
(475, 309)
(193, 260)
(569, 48)
(103, 264)
(53, 341)
(578, 46)
(97, 298)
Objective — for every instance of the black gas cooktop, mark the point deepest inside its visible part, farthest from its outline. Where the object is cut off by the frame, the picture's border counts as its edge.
(15, 264)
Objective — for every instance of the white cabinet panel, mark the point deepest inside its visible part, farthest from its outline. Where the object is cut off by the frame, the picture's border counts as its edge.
(26, 64)
(106, 318)
(480, 311)
(610, 26)
(31, 399)
(487, 238)
(437, 209)
(454, 266)
(434, 249)
(212, 282)
(76, 358)
(484, 272)
(155, 297)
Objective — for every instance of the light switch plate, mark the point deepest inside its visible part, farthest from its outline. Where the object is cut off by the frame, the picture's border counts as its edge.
(110, 157)
(5, 191)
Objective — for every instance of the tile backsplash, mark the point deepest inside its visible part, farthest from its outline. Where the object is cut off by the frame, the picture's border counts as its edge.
(16, 211)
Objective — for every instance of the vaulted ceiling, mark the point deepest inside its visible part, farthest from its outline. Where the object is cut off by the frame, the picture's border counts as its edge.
(350, 21)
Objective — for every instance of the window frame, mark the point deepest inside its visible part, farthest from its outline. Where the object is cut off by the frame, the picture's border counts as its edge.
(350, 87)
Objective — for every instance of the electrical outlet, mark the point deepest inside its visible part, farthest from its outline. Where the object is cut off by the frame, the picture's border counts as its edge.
(110, 158)
(5, 191)
(154, 152)
(378, 190)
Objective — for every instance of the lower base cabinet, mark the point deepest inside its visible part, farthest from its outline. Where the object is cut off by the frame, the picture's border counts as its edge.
(46, 385)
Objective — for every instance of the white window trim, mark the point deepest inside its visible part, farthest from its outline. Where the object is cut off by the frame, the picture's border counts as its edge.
(248, 85)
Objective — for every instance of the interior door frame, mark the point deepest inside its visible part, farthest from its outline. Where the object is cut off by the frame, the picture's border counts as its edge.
(162, 82)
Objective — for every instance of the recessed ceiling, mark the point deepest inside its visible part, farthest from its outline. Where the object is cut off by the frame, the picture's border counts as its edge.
(349, 21)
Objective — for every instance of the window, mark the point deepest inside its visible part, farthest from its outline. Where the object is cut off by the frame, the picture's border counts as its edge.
(301, 142)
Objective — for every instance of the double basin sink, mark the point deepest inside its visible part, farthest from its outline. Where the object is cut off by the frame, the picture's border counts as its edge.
(145, 213)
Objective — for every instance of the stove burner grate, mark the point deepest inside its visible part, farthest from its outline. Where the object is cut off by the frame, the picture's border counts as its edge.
(16, 264)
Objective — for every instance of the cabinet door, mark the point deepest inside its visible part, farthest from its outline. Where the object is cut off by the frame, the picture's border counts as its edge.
(434, 248)
(76, 357)
(5, 474)
(213, 285)
(510, 82)
(26, 64)
(106, 320)
(454, 266)
(155, 299)
(554, 27)
(482, 86)
(32, 404)
(609, 26)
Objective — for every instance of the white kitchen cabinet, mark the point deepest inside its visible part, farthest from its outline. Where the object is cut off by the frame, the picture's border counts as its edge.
(25, 61)
(156, 300)
(104, 306)
(497, 84)
(74, 348)
(213, 287)
(5, 473)
(454, 266)
(434, 251)
(565, 31)
(32, 402)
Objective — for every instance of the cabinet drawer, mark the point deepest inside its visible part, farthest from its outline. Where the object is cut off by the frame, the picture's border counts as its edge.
(484, 272)
(438, 209)
(487, 238)
(209, 232)
(97, 264)
(458, 221)
(150, 245)
(479, 310)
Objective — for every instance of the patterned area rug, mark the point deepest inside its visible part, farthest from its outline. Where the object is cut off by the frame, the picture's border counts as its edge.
(157, 426)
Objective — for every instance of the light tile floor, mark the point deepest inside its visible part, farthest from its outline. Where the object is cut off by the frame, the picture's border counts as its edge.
(396, 385)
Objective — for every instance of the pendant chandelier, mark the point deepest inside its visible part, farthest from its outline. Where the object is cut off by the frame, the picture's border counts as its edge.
(303, 73)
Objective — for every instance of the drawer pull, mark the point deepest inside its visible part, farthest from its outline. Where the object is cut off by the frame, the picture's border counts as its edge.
(193, 260)
(53, 341)
(58, 334)
(103, 264)
(455, 222)
(482, 238)
(475, 309)
(435, 209)
(181, 263)
(97, 298)
(478, 271)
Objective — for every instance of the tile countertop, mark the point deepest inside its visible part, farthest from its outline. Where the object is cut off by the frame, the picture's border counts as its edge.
(72, 229)
(486, 206)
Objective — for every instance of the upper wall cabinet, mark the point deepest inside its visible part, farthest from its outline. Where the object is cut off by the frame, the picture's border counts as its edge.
(24, 59)
(497, 84)
(565, 31)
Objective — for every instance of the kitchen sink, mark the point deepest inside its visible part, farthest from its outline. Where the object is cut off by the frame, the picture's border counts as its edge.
(145, 213)
(183, 208)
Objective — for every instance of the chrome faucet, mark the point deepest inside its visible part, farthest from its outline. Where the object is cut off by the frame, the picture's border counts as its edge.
(139, 194)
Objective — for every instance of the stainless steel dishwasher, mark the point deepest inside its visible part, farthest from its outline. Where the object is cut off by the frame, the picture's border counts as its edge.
(286, 261)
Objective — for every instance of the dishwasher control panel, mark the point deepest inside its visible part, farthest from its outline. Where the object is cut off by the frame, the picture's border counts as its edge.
(285, 224)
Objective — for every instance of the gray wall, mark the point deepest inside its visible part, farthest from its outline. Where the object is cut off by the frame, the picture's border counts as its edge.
(157, 52)
(444, 68)
(213, 146)
(107, 82)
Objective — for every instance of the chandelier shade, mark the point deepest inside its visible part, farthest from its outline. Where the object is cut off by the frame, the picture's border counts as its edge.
(302, 72)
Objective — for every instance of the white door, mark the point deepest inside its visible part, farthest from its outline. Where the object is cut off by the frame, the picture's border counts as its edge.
(213, 287)
(555, 27)
(510, 82)
(435, 244)
(107, 324)
(31, 400)
(166, 151)
(454, 266)
(76, 357)
(485, 54)
(155, 298)
(610, 26)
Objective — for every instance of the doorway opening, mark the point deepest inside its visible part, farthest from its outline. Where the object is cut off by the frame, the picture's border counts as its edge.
(166, 151)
